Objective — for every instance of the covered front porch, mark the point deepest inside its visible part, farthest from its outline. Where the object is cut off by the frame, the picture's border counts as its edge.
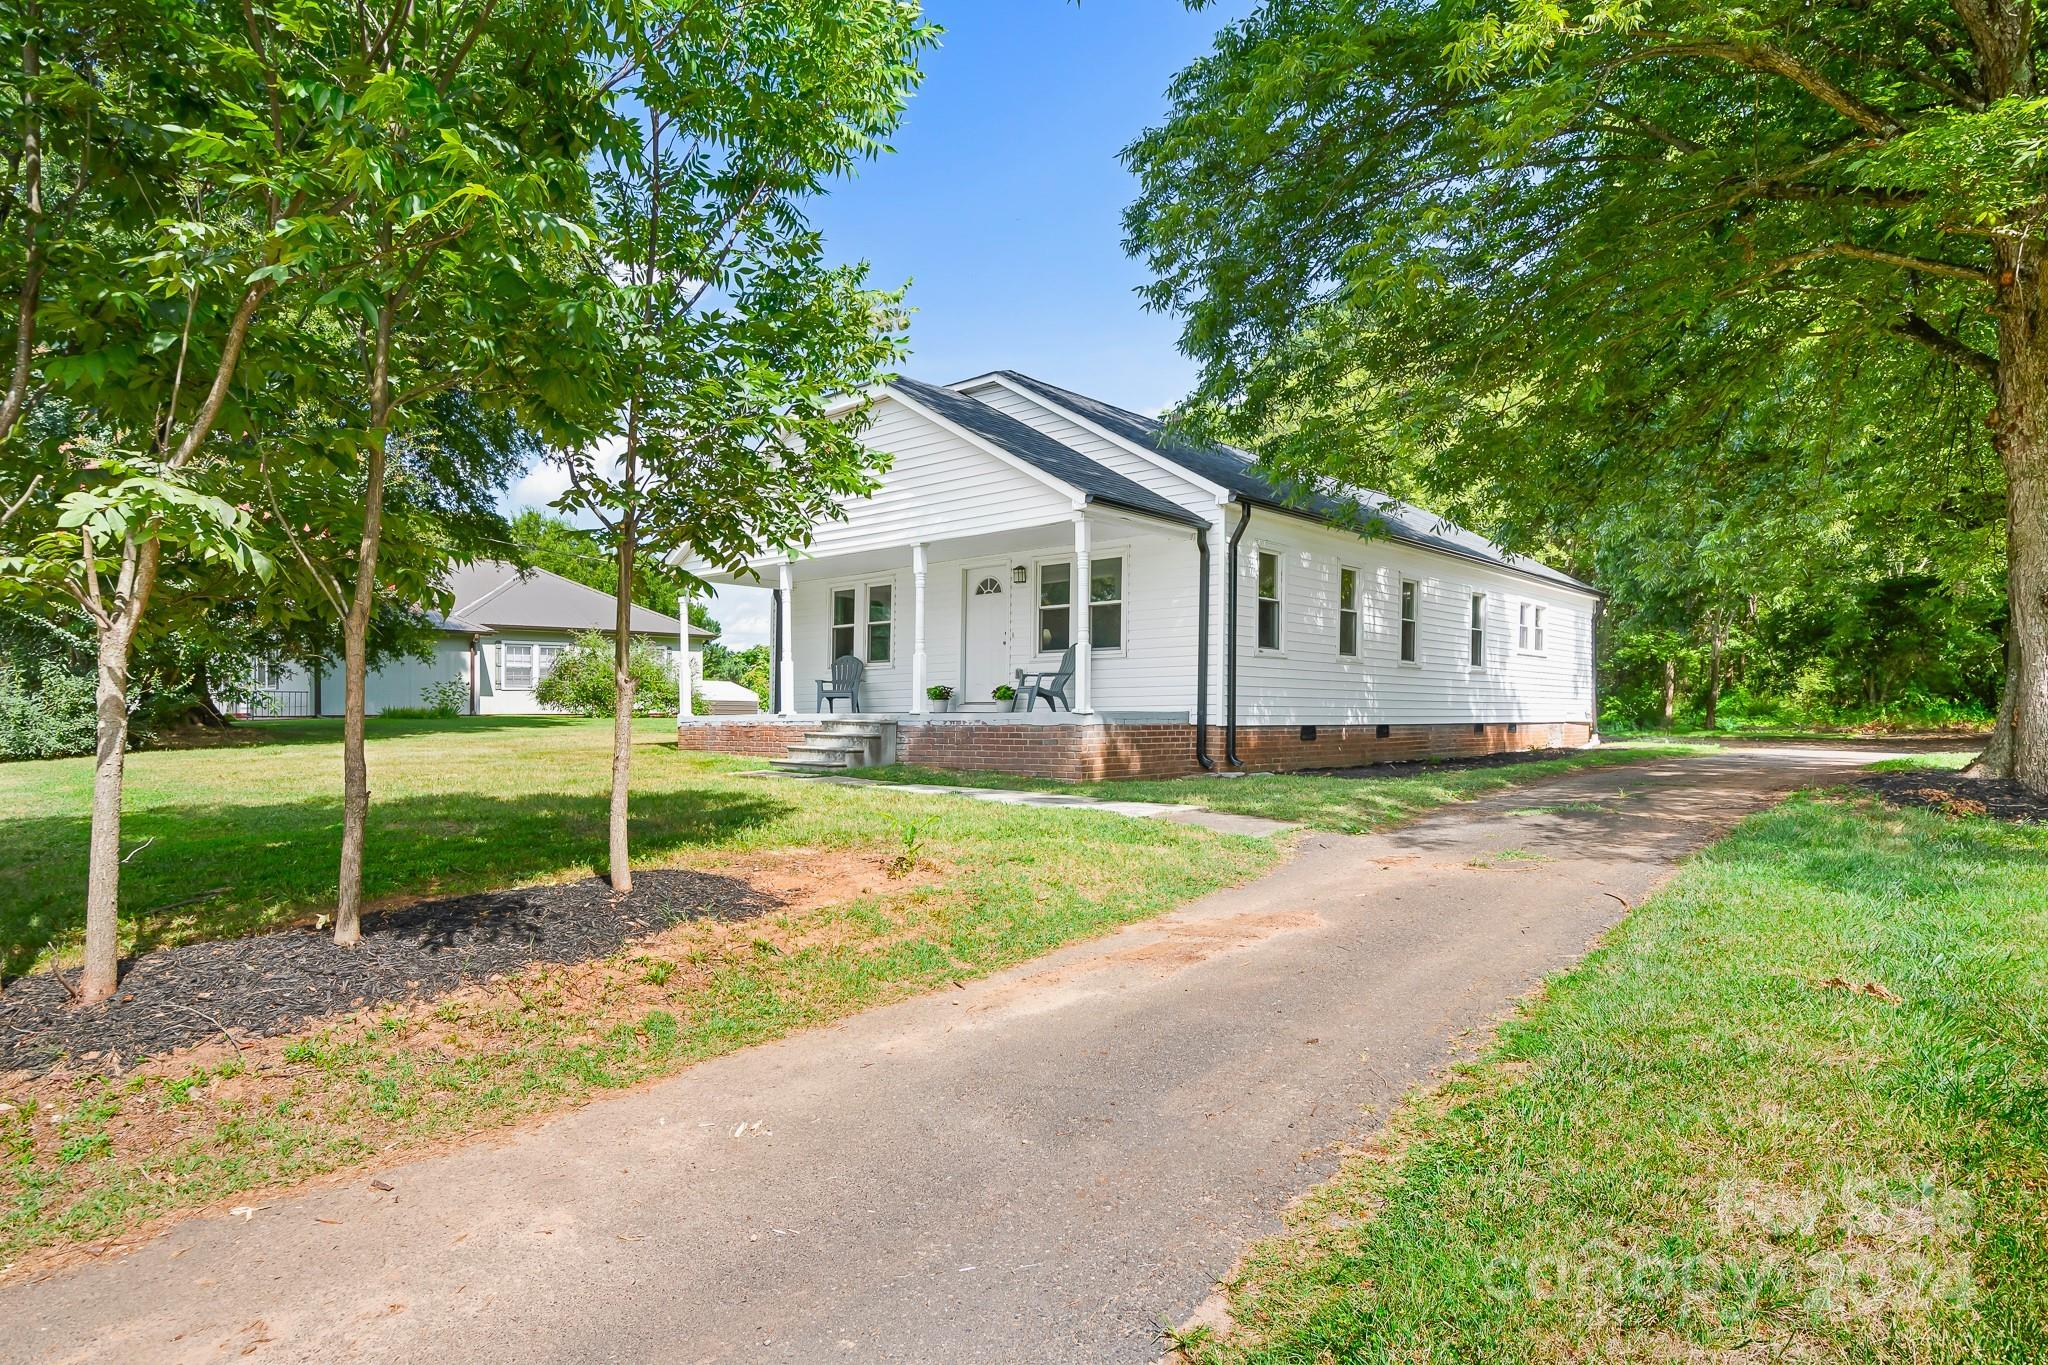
(970, 614)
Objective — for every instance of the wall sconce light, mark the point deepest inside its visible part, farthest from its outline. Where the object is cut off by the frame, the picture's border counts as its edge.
(1020, 574)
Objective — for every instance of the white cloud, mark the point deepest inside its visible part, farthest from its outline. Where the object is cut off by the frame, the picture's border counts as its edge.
(743, 612)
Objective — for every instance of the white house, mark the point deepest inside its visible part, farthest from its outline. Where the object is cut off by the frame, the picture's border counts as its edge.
(1216, 622)
(496, 643)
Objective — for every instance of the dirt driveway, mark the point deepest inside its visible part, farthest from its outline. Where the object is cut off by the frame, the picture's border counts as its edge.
(1042, 1166)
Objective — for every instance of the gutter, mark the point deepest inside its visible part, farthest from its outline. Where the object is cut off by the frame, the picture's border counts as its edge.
(1230, 638)
(1202, 653)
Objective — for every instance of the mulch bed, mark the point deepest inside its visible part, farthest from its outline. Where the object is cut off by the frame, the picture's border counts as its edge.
(277, 983)
(1417, 767)
(1954, 794)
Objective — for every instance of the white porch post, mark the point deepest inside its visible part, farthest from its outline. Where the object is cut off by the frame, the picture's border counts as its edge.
(917, 672)
(786, 659)
(1084, 666)
(686, 684)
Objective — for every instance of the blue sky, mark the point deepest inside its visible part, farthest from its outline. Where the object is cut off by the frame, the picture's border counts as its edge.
(1002, 207)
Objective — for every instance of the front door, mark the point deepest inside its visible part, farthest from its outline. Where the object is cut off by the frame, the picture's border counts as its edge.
(988, 633)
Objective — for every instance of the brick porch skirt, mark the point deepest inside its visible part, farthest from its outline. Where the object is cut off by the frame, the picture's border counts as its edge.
(1111, 749)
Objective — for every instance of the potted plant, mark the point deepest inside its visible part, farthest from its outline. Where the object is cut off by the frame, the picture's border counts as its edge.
(1006, 697)
(941, 697)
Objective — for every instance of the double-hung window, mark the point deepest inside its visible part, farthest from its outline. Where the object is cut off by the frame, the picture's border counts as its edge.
(881, 622)
(1411, 597)
(517, 667)
(1539, 629)
(845, 605)
(1269, 600)
(1477, 648)
(1347, 612)
(544, 657)
(1106, 603)
(1529, 628)
(1055, 607)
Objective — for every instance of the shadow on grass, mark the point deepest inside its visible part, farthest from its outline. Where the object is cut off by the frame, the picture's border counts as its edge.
(217, 871)
(248, 734)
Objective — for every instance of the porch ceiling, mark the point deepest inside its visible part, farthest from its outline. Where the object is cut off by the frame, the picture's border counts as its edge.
(1019, 540)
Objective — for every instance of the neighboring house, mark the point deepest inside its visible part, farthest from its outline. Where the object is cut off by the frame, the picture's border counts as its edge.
(1019, 518)
(497, 642)
(724, 698)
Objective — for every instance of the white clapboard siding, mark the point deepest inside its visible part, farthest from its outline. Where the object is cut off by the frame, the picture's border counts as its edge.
(938, 486)
(1307, 682)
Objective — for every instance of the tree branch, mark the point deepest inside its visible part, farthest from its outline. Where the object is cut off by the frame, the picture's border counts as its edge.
(1770, 61)
(1974, 274)
(1916, 328)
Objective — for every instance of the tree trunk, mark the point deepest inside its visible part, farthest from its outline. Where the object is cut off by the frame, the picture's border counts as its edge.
(2021, 439)
(1714, 680)
(355, 649)
(622, 662)
(103, 858)
(1996, 760)
(1670, 690)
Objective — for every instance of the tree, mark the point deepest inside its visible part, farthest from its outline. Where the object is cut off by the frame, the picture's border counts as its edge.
(158, 216)
(1560, 253)
(739, 333)
(467, 129)
(541, 540)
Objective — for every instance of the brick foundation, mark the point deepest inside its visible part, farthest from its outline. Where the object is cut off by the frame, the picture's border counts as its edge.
(1089, 753)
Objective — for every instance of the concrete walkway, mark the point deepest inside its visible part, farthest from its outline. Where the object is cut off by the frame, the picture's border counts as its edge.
(1223, 822)
(1043, 1166)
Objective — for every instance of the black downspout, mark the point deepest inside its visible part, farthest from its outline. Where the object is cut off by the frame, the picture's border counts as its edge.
(1202, 654)
(1244, 519)
(775, 654)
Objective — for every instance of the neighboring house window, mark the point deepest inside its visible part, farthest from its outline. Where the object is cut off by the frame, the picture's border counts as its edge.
(1269, 600)
(1478, 652)
(544, 659)
(1055, 607)
(1347, 612)
(518, 667)
(1411, 594)
(881, 622)
(1106, 603)
(269, 677)
(843, 605)
(1529, 628)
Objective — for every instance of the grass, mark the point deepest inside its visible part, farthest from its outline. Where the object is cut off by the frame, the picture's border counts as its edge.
(904, 894)
(1348, 805)
(1795, 1108)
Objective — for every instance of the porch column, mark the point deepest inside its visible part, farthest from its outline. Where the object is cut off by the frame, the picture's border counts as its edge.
(917, 672)
(1084, 666)
(685, 684)
(786, 652)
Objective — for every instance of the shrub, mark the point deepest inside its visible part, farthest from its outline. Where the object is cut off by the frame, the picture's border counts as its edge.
(446, 699)
(45, 714)
(580, 679)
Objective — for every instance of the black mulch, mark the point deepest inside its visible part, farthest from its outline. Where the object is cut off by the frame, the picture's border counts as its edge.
(1954, 794)
(1413, 767)
(276, 983)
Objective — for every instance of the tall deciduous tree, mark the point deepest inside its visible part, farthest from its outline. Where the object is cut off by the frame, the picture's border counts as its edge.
(737, 333)
(157, 200)
(1550, 246)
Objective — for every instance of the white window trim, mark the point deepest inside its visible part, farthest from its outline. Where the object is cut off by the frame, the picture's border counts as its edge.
(1484, 602)
(1279, 649)
(859, 587)
(1356, 607)
(1401, 581)
(532, 649)
(1078, 591)
(1530, 622)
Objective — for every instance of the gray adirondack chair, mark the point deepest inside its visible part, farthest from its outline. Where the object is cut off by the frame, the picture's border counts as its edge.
(843, 685)
(1055, 686)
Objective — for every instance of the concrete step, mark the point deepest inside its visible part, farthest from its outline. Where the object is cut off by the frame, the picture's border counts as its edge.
(815, 756)
(837, 739)
(871, 729)
(803, 768)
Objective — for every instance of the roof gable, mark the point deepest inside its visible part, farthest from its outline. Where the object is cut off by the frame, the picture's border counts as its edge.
(494, 594)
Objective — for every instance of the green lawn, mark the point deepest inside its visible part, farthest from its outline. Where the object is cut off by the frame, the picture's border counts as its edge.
(1348, 805)
(1795, 1109)
(254, 828)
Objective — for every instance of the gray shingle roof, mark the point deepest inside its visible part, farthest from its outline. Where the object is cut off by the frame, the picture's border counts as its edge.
(493, 595)
(1232, 469)
(1042, 452)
